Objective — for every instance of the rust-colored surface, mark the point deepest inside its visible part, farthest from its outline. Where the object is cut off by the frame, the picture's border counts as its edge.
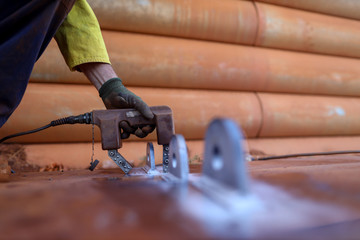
(218, 20)
(153, 61)
(341, 8)
(89, 205)
(297, 30)
(296, 115)
(192, 110)
(325, 178)
(83, 205)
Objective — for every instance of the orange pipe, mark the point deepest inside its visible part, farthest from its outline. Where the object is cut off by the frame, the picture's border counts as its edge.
(51, 68)
(143, 60)
(218, 20)
(297, 30)
(341, 8)
(234, 22)
(78, 155)
(283, 115)
(192, 110)
(296, 115)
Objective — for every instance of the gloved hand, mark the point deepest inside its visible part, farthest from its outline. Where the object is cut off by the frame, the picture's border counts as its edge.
(115, 95)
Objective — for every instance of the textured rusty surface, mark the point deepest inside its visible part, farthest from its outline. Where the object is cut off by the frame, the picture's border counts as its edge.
(341, 8)
(104, 203)
(297, 30)
(325, 178)
(152, 61)
(80, 205)
(218, 20)
(192, 110)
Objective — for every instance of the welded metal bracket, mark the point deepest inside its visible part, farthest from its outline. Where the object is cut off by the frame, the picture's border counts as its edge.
(150, 159)
(150, 156)
(178, 158)
(224, 157)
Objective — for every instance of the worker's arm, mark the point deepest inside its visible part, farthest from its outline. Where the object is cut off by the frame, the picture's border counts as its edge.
(79, 37)
(115, 95)
(111, 90)
(81, 43)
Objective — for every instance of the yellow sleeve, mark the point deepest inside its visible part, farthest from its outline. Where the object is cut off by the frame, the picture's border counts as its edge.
(79, 37)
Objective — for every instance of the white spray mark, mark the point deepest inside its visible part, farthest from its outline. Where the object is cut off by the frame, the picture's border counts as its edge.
(337, 77)
(266, 210)
(336, 111)
(143, 2)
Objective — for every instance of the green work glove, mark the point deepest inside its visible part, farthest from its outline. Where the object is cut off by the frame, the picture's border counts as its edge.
(115, 95)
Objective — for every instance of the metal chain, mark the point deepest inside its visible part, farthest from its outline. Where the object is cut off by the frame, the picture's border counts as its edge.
(93, 143)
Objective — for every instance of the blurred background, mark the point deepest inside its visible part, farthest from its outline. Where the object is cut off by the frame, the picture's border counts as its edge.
(286, 71)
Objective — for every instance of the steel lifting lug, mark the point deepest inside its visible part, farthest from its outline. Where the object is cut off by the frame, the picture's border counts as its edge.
(224, 157)
(178, 158)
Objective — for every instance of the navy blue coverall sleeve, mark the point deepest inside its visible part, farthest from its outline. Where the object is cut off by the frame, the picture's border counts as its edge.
(26, 29)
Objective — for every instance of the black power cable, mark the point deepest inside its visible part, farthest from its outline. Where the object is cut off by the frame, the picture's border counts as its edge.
(24, 133)
(85, 118)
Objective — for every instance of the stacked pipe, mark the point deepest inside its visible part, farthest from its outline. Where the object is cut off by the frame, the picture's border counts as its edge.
(345, 9)
(285, 75)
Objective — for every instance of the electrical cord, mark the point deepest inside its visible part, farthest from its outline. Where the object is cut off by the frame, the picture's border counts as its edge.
(25, 133)
(304, 155)
(85, 118)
